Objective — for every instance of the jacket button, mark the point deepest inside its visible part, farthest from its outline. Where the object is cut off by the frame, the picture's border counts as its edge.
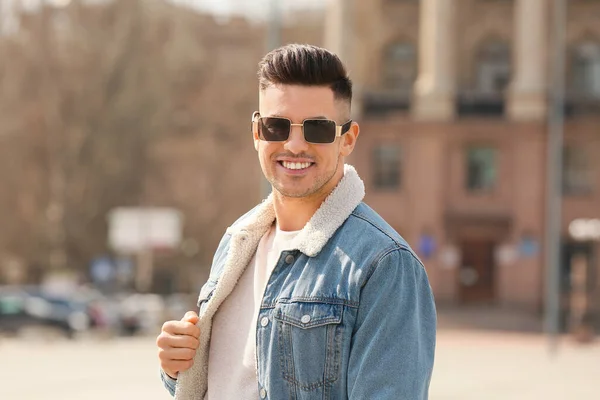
(263, 393)
(264, 321)
(305, 319)
(289, 259)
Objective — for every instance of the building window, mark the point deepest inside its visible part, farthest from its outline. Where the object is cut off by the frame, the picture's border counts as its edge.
(397, 76)
(386, 167)
(394, 2)
(576, 177)
(493, 68)
(481, 169)
(585, 70)
(399, 67)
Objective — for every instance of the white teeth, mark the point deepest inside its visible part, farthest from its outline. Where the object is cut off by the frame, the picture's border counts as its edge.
(295, 165)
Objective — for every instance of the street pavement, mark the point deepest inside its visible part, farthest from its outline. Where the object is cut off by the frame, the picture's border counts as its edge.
(493, 366)
(469, 365)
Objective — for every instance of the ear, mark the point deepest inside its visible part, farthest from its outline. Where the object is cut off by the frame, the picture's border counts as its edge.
(349, 140)
(255, 116)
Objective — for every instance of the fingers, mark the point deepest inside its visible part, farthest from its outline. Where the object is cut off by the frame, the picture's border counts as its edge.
(181, 328)
(190, 317)
(166, 341)
(173, 368)
(177, 366)
(177, 344)
(175, 354)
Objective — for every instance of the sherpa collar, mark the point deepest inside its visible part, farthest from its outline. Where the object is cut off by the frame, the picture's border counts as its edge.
(336, 208)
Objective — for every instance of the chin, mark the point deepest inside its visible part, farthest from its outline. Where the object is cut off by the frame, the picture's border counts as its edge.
(294, 192)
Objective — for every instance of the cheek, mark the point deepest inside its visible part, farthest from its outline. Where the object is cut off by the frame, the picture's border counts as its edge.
(338, 151)
(265, 149)
(328, 153)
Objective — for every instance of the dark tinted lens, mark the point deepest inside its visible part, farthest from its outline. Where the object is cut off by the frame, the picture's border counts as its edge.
(274, 129)
(319, 131)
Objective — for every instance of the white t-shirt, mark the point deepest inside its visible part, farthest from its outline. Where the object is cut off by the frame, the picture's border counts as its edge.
(232, 354)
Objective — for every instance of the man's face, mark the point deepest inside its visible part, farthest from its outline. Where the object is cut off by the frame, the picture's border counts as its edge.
(321, 165)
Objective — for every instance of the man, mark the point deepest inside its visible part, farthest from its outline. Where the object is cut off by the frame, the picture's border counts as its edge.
(311, 294)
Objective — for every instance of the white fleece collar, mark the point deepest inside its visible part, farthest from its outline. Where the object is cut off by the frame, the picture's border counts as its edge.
(336, 208)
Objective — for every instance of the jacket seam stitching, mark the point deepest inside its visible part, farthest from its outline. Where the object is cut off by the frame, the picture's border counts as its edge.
(322, 300)
(373, 224)
(383, 255)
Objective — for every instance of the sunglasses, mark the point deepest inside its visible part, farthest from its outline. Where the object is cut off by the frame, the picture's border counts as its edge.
(319, 131)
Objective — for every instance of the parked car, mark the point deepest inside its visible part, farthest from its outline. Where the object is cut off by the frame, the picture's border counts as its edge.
(24, 307)
(142, 313)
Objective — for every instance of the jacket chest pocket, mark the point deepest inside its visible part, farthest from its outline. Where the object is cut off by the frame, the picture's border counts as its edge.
(309, 337)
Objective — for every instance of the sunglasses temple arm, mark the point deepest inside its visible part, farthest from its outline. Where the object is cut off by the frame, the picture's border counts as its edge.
(341, 129)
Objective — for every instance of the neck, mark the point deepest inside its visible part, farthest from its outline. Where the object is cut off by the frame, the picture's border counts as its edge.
(293, 214)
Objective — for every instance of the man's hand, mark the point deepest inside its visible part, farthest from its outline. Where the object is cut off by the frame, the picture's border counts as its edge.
(177, 344)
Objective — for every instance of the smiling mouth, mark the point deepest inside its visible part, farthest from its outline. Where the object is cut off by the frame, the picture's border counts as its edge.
(295, 166)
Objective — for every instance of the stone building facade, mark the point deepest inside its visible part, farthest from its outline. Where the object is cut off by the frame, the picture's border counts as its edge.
(452, 97)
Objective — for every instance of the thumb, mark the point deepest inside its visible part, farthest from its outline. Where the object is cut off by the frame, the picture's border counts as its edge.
(190, 317)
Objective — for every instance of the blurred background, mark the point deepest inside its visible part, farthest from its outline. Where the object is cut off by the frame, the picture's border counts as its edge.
(125, 152)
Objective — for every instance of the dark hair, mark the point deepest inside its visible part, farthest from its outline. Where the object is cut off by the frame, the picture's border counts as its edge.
(305, 65)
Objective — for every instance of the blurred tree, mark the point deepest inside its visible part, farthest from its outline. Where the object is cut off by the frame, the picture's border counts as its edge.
(85, 92)
(126, 103)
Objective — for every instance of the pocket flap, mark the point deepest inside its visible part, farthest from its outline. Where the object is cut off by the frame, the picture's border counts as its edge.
(309, 315)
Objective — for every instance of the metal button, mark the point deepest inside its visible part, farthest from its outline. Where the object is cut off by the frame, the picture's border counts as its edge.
(264, 321)
(289, 259)
(305, 319)
(263, 393)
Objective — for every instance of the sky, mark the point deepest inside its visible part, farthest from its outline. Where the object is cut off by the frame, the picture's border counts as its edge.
(252, 8)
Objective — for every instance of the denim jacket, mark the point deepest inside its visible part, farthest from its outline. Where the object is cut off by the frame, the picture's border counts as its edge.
(347, 314)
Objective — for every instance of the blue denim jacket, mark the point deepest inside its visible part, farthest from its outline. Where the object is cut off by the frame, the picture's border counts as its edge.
(347, 314)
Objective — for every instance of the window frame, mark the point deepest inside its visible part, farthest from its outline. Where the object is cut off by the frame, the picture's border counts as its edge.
(481, 189)
(390, 63)
(570, 169)
(577, 60)
(380, 181)
(498, 58)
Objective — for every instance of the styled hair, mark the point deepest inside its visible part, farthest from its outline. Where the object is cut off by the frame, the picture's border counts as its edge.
(305, 65)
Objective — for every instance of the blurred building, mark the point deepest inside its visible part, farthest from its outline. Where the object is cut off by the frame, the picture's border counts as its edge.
(452, 97)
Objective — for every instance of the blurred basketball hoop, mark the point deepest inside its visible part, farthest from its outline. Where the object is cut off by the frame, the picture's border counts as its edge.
(135, 229)
(142, 231)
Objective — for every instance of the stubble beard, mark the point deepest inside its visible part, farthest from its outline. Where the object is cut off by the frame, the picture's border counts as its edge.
(320, 182)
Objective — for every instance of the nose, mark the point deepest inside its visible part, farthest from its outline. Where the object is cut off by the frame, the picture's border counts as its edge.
(296, 143)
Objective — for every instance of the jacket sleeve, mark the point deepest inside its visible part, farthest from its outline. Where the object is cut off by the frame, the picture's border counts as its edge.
(169, 383)
(393, 342)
